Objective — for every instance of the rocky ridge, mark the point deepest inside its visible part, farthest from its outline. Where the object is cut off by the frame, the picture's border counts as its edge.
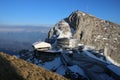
(102, 35)
(12, 68)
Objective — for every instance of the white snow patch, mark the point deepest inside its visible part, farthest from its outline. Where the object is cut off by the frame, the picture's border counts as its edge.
(92, 48)
(61, 70)
(93, 56)
(98, 37)
(88, 48)
(67, 35)
(106, 44)
(53, 64)
(77, 69)
(105, 28)
(80, 44)
(63, 35)
(83, 14)
(109, 58)
(103, 21)
(36, 61)
(115, 69)
(112, 61)
(37, 45)
(105, 39)
(61, 31)
(95, 40)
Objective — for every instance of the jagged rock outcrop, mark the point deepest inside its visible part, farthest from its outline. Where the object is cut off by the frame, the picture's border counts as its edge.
(101, 34)
(12, 68)
(60, 30)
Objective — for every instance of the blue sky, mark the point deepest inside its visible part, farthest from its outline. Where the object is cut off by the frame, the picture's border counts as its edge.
(36, 12)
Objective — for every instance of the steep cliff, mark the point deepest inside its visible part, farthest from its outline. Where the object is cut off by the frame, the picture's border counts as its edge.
(12, 68)
(103, 35)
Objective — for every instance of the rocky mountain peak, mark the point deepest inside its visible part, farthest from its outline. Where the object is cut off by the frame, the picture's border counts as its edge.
(103, 35)
(60, 30)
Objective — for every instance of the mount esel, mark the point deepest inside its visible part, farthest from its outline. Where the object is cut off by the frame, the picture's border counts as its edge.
(103, 35)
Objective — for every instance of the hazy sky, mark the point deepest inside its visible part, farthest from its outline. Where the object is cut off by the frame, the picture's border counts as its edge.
(35, 12)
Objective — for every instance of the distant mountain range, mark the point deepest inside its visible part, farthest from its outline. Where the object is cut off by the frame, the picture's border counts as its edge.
(24, 28)
(41, 25)
(14, 38)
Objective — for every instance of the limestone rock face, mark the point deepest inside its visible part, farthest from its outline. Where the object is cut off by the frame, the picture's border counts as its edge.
(60, 30)
(89, 30)
(12, 68)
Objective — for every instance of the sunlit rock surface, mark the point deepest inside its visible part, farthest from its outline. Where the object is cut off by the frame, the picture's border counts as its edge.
(103, 35)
